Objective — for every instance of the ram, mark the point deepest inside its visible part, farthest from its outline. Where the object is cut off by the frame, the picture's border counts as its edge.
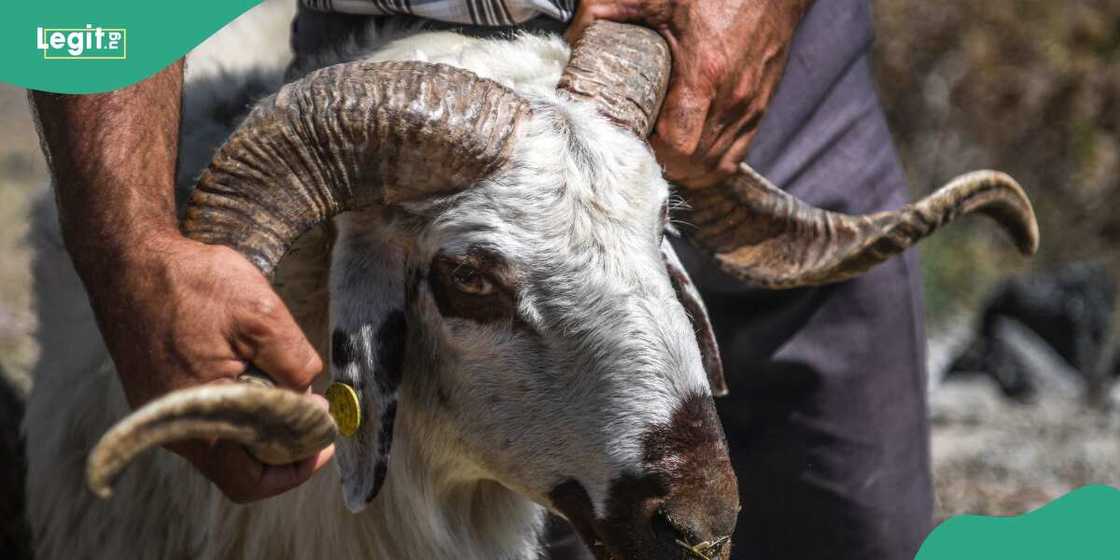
(477, 233)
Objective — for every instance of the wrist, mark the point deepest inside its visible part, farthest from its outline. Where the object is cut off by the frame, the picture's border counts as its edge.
(119, 251)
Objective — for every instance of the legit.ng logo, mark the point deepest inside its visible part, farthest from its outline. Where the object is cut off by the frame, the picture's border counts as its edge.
(88, 43)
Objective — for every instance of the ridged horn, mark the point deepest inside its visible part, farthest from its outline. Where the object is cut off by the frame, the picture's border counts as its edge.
(764, 236)
(344, 137)
(348, 136)
(753, 230)
(277, 426)
(623, 69)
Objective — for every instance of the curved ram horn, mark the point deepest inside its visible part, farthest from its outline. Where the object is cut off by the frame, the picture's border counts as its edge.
(341, 138)
(277, 426)
(623, 69)
(755, 231)
(348, 136)
(764, 236)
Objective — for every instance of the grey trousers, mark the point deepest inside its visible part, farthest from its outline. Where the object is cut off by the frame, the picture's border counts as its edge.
(826, 419)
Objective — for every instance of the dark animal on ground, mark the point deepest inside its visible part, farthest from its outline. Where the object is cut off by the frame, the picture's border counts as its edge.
(1069, 308)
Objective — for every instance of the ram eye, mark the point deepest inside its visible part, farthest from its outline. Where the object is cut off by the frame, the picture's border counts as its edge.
(473, 286)
(469, 280)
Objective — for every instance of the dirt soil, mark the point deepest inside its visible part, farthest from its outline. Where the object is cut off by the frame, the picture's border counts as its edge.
(996, 456)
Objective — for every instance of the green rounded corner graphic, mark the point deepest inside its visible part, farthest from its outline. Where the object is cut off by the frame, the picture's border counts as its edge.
(1082, 525)
(83, 46)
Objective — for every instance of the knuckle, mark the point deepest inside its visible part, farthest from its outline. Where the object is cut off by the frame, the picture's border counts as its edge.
(258, 332)
(263, 304)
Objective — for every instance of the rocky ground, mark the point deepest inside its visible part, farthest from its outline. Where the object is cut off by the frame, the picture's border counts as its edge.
(991, 455)
(996, 456)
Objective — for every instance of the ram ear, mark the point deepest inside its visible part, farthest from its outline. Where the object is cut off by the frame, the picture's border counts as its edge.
(368, 328)
(689, 297)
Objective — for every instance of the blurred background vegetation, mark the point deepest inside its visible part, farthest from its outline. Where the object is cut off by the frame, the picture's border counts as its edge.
(23, 173)
(1031, 87)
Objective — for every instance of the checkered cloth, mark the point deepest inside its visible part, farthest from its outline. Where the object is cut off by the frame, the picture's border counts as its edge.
(475, 12)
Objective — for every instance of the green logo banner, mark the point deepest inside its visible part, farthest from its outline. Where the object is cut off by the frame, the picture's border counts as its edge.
(1081, 525)
(82, 46)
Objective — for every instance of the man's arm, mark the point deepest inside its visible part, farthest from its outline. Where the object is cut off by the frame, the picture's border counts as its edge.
(174, 313)
(728, 56)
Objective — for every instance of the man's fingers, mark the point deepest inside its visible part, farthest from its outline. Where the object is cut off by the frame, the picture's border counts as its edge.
(272, 341)
(677, 134)
(282, 478)
(731, 132)
(735, 154)
(228, 466)
(242, 478)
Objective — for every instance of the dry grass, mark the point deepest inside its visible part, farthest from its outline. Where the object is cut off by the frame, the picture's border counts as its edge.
(1031, 87)
(1000, 458)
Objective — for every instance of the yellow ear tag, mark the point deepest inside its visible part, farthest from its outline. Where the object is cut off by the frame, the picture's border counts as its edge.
(345, 408)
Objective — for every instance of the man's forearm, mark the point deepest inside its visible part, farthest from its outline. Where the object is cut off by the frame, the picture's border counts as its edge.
(112, 156)
(173, 313)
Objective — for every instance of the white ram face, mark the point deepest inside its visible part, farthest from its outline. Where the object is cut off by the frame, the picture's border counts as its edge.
(534, 328)
(557, 334)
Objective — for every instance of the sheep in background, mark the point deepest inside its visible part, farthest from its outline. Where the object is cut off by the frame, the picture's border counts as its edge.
(1069, 308)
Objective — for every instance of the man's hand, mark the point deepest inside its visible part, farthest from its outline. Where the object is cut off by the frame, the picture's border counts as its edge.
(728, 56)
(174, 313)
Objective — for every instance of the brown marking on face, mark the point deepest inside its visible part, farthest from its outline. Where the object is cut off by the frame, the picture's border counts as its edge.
(685, 492)
(479, 286)
(691, 451)
(475, 286)
(632, 505)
